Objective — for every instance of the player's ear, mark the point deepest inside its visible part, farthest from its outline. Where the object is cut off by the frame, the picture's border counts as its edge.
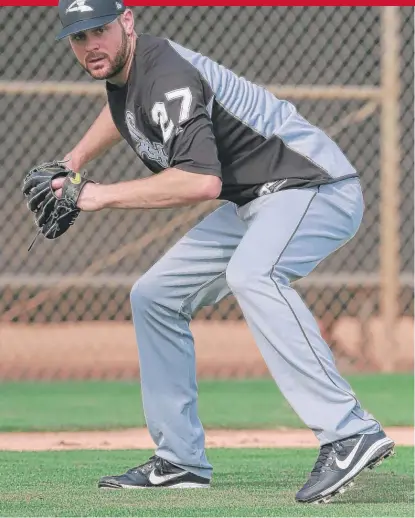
(127, 21)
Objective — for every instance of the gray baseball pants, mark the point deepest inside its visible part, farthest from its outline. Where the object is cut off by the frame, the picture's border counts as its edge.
(255, 252)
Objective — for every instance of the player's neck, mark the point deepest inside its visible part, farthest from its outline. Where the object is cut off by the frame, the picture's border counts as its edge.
(121, 78)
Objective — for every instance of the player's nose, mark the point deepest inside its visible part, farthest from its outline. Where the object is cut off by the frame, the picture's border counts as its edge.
(91, 44)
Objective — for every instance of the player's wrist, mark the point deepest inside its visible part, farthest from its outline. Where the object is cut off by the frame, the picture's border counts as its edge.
(73, 160)
(105, 198)
(91, 199)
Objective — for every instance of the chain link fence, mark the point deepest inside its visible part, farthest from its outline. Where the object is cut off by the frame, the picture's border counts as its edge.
(84, 278)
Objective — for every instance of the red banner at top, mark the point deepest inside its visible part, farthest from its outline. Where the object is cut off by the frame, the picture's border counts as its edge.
(132, 3)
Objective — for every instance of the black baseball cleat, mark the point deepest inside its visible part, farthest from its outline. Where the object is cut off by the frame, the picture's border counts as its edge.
(340, 462)
(156, 472)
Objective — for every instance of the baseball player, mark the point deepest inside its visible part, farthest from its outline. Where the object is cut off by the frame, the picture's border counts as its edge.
(292, 199)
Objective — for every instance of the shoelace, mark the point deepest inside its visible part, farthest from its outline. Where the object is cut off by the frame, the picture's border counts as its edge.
(325, 454)
(322, 458)
(153, 462)
(161, 465)
(146, 466)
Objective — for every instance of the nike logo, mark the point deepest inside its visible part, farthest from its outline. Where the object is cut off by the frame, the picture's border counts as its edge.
(344, 464)
(76, 179)
(157, 480)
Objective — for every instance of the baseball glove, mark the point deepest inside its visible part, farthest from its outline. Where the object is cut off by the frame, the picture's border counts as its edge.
(53, 215)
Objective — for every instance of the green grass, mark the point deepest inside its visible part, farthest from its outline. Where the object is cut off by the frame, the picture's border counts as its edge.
(225, 404)
(246, 483)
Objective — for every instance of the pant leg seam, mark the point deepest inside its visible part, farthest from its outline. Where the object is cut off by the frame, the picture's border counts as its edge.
(296, 318)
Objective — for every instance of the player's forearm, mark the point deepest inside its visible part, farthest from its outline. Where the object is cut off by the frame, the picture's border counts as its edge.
(100, 137)
(171, 188)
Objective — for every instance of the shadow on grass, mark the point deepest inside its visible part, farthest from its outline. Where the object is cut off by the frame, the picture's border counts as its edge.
(380, 488)
(371, 487)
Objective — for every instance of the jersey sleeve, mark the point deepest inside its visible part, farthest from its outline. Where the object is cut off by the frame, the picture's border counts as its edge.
(178, 111)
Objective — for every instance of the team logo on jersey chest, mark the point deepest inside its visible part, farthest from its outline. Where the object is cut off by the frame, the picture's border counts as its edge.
(144, 147)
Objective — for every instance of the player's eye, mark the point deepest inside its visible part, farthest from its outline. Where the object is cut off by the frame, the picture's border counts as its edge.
(80, 36)
(99, 30)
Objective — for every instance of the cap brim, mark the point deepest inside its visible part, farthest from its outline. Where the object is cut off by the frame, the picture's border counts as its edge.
(84, 25)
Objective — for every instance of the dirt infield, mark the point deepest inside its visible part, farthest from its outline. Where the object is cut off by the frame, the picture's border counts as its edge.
(140, 439)
(108, 350)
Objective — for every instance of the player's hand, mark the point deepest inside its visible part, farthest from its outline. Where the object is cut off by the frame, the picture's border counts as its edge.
(89, 200)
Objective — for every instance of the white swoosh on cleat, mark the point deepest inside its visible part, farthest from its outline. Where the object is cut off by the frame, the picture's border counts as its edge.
(344, 464)
(157, 481)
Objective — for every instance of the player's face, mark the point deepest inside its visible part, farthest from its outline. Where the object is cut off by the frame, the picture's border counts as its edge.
(103, 51)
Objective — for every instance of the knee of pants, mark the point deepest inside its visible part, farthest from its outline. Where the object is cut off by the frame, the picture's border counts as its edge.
(242, 278)
(145, 293)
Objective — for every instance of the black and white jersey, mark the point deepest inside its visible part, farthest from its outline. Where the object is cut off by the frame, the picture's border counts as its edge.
(181, 109)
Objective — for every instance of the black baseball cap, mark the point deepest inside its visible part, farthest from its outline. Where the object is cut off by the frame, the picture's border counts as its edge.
(81, 15)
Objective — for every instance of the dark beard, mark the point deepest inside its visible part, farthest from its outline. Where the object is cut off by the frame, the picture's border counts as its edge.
(121, 57)
(119, 61)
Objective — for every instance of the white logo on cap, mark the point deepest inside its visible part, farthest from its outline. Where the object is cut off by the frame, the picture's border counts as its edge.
(79, 5)
(118, 5)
